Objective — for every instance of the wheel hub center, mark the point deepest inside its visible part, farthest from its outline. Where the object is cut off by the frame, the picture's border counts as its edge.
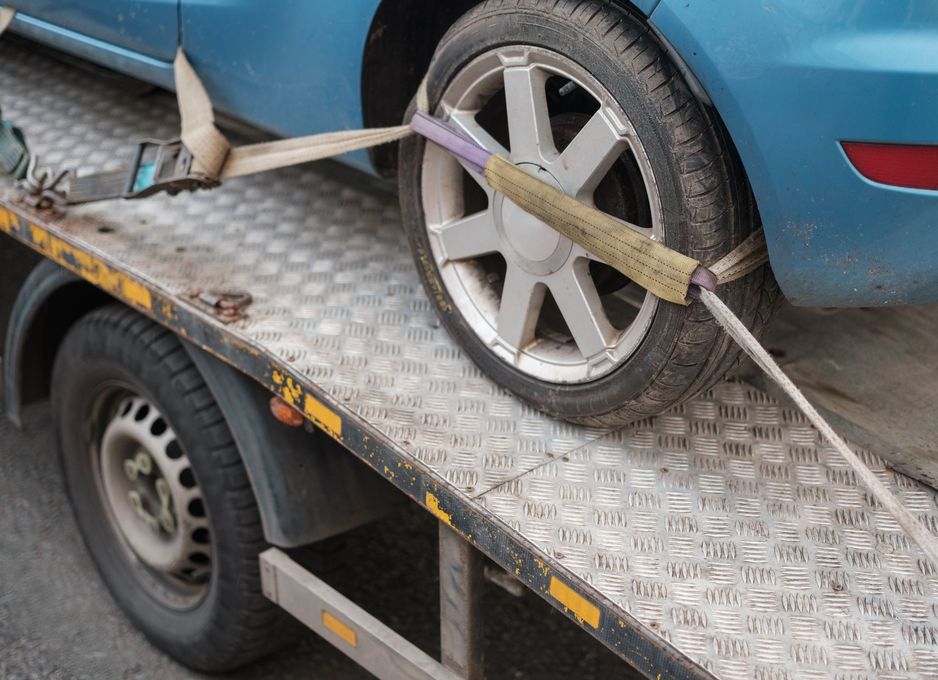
(531, 244)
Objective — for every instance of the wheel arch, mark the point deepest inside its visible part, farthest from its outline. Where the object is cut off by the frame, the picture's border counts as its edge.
(310, 490)
(397, 55)
(48, 302)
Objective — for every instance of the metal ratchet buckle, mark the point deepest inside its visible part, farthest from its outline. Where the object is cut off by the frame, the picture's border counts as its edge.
(159, 166)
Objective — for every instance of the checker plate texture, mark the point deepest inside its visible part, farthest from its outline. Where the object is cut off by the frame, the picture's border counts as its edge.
(725, 526)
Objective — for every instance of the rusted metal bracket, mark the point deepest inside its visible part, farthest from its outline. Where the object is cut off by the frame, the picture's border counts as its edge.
(228, 305)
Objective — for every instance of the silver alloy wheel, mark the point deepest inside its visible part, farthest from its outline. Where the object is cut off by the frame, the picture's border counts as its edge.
(154, 502)
(507, 309)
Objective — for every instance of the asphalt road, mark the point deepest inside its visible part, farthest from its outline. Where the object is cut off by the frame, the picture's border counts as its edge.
(57, 619)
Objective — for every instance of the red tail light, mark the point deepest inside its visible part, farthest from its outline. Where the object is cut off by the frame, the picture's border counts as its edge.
(902, 165)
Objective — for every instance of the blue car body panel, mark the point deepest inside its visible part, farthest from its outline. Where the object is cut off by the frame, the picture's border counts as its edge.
(790, 79)
(306, 80)
(793, 78)
(115, 57)
(147, 27)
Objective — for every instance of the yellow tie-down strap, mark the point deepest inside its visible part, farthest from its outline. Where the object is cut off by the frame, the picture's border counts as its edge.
(655, 267)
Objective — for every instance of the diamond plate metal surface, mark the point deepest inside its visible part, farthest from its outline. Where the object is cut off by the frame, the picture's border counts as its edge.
(725, 527)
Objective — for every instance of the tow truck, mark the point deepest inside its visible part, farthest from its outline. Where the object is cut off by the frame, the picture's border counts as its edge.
(723, 539)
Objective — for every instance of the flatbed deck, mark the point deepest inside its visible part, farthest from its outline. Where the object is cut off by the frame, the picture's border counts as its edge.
(721, 539)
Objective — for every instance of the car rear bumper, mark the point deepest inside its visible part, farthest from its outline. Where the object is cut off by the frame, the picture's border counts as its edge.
(791, 81)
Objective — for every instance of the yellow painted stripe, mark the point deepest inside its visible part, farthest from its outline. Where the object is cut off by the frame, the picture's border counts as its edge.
(345, 632)
(323, 416)
(433, 505)
(582, 609)
(83, 263)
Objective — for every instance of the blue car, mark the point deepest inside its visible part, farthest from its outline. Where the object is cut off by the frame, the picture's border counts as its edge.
(692, 121)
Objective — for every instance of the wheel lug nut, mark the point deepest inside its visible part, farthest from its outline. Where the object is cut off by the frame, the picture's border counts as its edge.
(144, 462)
(167, 521)
(162, 490)
(130, 469)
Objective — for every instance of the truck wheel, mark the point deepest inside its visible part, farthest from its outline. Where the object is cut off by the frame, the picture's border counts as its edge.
(159, 492)
(582, 95)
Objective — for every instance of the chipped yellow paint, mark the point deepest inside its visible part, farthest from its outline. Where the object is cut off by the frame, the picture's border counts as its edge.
(8, 220)
(583, 609)
(389, 473)
(345, 632)
(86, 265)
(168, 311)
(292, 393)
(433, 505)
(323, 416)
(545, 570)
(289, 391)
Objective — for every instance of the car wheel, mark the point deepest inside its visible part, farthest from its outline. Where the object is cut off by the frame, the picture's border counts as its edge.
(582, 95)
(159, 491)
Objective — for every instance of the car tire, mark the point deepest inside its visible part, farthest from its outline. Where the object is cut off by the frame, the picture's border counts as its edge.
(124, 387)
(707, 206)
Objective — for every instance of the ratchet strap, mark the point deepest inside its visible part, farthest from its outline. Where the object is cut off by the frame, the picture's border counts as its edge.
(215, 158)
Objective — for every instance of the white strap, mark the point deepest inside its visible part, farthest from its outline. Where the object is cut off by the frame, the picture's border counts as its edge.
(247, 160)
(213, 155)
(208, 146)
(735, 328)
(6, 16)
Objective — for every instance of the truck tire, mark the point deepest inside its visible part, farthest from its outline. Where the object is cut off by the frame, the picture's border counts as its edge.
(159, 492)
(582, 94)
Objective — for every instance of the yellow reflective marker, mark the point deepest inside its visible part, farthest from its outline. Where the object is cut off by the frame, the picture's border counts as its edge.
(323, 416)
(345, 632)
(582, 609)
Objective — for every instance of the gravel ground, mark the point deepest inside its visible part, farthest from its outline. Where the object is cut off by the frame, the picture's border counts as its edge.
(57, 620)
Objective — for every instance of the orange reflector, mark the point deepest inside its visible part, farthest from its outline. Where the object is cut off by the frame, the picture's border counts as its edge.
(285, 413)
(346, 633)
(903, 165)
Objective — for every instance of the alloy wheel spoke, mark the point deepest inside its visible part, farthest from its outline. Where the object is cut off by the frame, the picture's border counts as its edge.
(529, 128)
(579, 252)
(575, 294)
(522, 297)
(471, 236)
(590, 156)
(465, 122)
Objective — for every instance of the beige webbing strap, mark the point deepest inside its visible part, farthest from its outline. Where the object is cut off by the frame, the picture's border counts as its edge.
(213, 155)
(738, 331)
(746, 257)
(208, 146)
(6, 16)
(247, 160)
(653, 266)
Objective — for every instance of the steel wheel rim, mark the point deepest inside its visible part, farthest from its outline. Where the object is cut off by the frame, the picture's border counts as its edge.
(536, 259)
(151, 498)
